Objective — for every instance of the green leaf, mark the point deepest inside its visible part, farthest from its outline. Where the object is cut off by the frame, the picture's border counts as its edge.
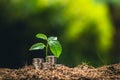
(42, 36)
(52, 38)
(37, 46)
(55, 47)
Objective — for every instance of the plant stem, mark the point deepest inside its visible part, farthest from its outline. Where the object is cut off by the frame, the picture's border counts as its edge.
(46, 50)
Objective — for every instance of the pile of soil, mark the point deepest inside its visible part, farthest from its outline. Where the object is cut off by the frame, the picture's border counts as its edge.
(81, 72)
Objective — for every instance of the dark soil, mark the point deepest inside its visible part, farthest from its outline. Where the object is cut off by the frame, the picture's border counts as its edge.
(81, 72)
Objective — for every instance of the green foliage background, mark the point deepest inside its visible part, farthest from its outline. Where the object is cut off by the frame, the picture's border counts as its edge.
(84, 27)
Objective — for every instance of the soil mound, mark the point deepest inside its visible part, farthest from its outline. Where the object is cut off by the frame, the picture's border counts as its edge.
(81, 72)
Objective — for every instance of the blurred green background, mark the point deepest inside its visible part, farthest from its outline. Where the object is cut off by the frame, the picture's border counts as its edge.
(89, 30)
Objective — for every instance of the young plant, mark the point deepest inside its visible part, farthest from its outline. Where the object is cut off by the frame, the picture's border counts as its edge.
(51, 42)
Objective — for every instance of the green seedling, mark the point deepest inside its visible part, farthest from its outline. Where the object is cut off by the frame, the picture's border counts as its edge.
(51, 43)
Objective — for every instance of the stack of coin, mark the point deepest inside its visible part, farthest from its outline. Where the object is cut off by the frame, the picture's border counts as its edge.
(51, 60)
(38, 63)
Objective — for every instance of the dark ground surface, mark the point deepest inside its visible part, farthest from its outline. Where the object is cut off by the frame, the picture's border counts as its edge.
(61, 72)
